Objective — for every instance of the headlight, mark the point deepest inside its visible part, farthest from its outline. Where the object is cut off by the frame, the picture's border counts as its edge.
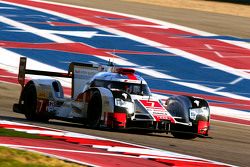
(128, 105)
(204, 111)
(119, 102)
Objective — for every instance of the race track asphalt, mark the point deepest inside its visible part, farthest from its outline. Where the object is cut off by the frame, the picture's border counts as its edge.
(229, 143)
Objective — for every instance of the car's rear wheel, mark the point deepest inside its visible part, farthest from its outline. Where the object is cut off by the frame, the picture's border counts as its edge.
(94, 111)
(30, 104)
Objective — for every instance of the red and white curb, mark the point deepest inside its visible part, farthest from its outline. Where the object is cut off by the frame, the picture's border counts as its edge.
(96, 151)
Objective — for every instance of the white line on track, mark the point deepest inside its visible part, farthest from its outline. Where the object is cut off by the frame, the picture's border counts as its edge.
(218, 54)
(33, 30)
(236, 81)
(8, 8)
(227, 112)
(12, 60)
(211, 48)
(220, 88)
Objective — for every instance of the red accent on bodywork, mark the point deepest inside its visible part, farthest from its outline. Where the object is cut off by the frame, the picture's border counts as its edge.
(158, 118)
(120, 120)
(131, 76)
(109, 119)
(125, 71)
(152, 105)
(129, 72)
(157, 107)
(172, 120)
(203, 127)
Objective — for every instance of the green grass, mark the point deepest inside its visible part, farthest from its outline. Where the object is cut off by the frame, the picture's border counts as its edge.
(18, 158)
(13, 133)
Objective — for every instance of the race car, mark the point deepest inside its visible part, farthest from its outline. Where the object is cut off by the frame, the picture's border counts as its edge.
(106, 96)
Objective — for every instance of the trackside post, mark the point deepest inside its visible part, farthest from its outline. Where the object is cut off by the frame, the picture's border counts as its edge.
(22, 68)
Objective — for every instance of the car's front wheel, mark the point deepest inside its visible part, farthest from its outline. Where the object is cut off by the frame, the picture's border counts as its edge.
(179, 106)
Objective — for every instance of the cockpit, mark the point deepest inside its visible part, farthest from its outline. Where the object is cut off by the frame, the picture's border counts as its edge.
(131, 88)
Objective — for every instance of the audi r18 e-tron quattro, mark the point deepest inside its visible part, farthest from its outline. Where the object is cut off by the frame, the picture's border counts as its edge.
(112, 97)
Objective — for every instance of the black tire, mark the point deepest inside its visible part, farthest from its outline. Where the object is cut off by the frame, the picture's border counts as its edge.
(178, 106)
(94, 111)
(30, 104)
(184, 136)
(183, 132)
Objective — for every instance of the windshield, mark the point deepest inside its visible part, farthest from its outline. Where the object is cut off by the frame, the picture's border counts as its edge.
(131, 88)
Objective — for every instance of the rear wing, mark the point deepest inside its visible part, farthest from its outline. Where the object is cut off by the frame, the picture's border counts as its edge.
(80, 73)
(23, 71)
